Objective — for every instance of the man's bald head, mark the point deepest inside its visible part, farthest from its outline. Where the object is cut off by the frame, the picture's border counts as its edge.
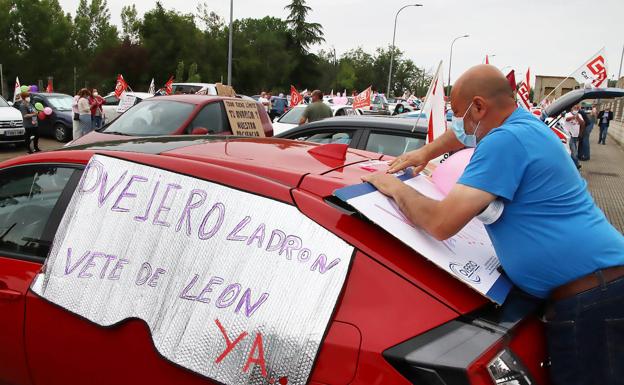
(483, 80)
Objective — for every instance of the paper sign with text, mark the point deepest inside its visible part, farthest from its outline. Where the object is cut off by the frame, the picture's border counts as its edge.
(125, 103)
(234, 286)
(244, 118)
(468, 256)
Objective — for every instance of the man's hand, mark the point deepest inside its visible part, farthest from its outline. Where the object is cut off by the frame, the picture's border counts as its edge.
(417, 159)
(386, 184)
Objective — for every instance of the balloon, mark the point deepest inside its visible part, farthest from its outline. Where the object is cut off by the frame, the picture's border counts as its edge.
(24, 88)
(39, 106)
(448, 173)
(47, 111)
(41, 115)
(34, 88)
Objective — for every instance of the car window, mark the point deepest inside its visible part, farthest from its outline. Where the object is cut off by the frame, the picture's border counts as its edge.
(293, 116)
(151, 118)
(37, 99)
(111, 101)
(393, 145)
(61, 102)
(212, 117)
(3, 103)
(327, 136)
(28, 196)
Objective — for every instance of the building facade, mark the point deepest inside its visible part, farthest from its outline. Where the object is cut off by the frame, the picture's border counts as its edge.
(544, 85)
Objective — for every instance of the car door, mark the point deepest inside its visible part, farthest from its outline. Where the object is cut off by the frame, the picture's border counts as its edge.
(110, 108)
(393, 143)
(32, 201)
(45, 125)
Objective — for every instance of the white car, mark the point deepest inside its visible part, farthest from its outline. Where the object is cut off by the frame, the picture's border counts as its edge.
(291, 118)
(111, 103)
(194, 88)
(11, 124)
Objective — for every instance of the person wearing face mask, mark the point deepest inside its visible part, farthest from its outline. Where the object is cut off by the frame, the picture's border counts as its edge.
(552, 240)
(574, 124)
(29, 114)
(604, 118)
(96, 102)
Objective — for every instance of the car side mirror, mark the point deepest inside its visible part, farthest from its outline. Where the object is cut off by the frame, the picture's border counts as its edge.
(199, 131)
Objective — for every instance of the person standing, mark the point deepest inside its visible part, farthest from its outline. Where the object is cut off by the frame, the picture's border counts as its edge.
(29, 115)
(573, 124)
(551, 238)
(604, 118)
(590, 121)
(278, 106)
(76, 132)
(266, 103)
(96, 102)
(317, 110)
(84, 112)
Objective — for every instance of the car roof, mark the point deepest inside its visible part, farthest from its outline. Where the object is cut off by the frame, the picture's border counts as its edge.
(193, 99)
(370, 122)
(44, 94)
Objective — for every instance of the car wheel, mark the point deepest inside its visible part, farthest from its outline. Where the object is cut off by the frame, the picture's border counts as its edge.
(61, 133)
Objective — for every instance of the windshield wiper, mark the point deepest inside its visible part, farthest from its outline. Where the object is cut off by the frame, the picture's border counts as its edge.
(116, 133)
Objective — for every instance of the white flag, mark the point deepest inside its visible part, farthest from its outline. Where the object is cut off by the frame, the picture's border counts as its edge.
(152, 88)
(17, 89)
(594, 72)
(524, 92)
(435, 107)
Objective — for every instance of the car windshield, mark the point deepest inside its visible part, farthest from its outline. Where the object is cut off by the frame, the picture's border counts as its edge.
(61, 102)
(3, 103)
(293, 116)
(151, 118)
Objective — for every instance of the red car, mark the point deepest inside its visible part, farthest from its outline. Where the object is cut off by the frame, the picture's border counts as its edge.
(172, 115)
(399, 319)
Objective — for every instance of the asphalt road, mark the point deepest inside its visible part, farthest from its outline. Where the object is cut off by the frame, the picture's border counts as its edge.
(8, 151)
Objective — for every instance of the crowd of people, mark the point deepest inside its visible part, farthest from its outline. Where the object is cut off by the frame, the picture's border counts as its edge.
(579, 123)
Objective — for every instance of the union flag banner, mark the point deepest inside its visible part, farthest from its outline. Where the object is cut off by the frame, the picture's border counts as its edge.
(524, 92)
(121, 86)
(18, 90)
(511, 78)
(363, 99)
(295, 97)
(435, 107)
(594, 72)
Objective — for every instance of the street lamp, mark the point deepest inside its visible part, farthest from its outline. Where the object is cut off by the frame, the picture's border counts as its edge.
(229, 80)
(448, 88)
(393, 40)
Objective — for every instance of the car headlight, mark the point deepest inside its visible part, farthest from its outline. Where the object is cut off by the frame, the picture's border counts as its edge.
(506, 369)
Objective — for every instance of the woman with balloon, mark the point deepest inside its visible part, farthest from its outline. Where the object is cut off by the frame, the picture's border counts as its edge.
(30, 116)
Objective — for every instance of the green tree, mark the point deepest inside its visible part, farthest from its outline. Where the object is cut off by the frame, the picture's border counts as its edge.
(193, 76)
(179, 74)
(130, 24)
(304, 34)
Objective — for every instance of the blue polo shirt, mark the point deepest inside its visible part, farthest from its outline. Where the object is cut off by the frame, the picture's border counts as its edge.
(551, 231)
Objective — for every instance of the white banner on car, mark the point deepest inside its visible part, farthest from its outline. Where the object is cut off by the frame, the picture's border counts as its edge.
(125, 103)
(234, 286)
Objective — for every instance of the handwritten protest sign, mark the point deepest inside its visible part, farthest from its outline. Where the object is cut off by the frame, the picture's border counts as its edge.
(233, 286)
(224, 90)
(125, 103)
(468, 256)
(244, 117)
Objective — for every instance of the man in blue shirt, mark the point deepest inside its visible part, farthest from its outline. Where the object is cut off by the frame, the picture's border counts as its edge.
(552, 240)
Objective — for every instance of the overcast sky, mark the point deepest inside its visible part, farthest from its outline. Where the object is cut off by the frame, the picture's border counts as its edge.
(552, 37)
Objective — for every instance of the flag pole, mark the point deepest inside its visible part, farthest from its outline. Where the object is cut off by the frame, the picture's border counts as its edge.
(424, 104)
(568, 77)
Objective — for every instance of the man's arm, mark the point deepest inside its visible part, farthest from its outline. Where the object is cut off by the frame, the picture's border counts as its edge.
(304, 116)
(441, 219)
(446, 142)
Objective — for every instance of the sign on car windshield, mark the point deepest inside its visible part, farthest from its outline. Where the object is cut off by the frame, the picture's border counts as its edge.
(234, 286)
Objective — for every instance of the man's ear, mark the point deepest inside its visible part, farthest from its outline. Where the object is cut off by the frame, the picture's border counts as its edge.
(479, 106)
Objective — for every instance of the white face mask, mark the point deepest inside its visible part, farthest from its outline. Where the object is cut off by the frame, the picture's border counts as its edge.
(27, 100)
(95, 94)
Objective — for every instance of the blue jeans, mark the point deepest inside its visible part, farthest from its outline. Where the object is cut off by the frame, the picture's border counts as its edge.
(603, 133)
(574, 149)
(96, 121)
(586, 337)
(583, 152)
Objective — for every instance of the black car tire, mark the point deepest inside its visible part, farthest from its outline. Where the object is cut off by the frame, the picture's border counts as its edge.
(62, 133)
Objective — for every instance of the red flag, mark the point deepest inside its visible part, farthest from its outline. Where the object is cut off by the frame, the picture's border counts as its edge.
(487, 59)
(121, 86)
(528, 80)
(363, 99)
(511, 77)
(295, 97)
(49, 88)
(169, 86)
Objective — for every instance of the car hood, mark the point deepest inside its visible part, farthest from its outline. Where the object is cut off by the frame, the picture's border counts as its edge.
(10, 113)
(568, 100)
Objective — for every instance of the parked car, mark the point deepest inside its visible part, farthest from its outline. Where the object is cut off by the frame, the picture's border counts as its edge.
(172, 115)
(377, 134)
(11, 124)
(111, 102)
(59, 124)
(194, 88)
(399, 319)
(291, 118)
(379, 106)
